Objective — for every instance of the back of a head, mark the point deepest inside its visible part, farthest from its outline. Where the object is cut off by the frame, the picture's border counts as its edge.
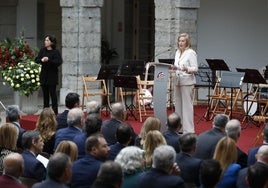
(92, 141)
(68, 147)
(257, 176)
(13, 165)
(210, 173)
(233, 129)
(164, 157)
(265, 133)
(220, 121)
(93, 107)
(262, 154)
(10, 141)
(75, 117)
(187, 142)
(72, 100)
(174, 121)
(93, 124)
(151, 123)
(28, 137)
(117, 110)
(123, 134)
(57, 165)
(12, 113)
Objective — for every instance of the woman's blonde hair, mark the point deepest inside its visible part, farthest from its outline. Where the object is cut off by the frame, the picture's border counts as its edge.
(68, 147)
(225, 152)
(151, 123)
(46, 123)
(187, 38)
(9, 136)
(153, 139)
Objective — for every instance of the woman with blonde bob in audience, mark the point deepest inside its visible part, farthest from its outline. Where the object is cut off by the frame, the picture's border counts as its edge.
(47, 125)
(151, 123)
(68, 147)
(226, 154)
(8, 141)
(132, 161)
(153, 139)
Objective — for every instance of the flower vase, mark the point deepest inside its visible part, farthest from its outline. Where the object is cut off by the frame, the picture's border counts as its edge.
(29, 104)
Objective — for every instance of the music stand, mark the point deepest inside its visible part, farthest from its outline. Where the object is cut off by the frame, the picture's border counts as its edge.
(107, 72)
(133, 68)
(231, 80)
(217, 64)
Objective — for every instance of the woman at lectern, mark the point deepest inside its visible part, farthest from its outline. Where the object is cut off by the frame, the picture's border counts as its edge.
(186, 66)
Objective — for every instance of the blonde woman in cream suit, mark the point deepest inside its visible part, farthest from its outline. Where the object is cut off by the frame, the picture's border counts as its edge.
(186, 66)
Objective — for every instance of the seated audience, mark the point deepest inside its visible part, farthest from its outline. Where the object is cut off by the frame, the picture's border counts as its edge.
(59, 171)
(69, 148)
(75, 120)
(33, 144)
(132, 161)
(123, 136)
(188, 164)
(153, 140)
(151, 123)
(226, 154)
(110, 175)
(207, 141)
(93, 124)
(7, 143)
(71, 101)
(46, 125)
(93, 107)
(13, 116)
(172, 133)
(210, 173)
(233, 130)
(13, 168)
(164, 172)
(85, 169)
(257, 176)
(252, 152)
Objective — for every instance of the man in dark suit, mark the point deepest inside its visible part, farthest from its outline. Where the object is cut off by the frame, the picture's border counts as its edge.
(75, 121)
(207, 141)
(189, 165)
(171, 134)
(13, 117)
(262, 159)
(85, 169)
(33, 144)
(71, 101)
(13, 168)
(233, 130)
(252, 152)
(162, 173)
(59, 172)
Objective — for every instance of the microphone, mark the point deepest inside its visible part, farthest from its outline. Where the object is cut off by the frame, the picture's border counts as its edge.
(161, 52)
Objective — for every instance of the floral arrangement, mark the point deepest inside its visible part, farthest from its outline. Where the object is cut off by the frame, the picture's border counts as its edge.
(17, 66)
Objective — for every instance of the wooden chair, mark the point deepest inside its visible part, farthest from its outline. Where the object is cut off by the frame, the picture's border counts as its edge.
(93, 87)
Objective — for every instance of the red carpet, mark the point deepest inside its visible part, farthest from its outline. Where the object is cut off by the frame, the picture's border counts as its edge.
(245, 142)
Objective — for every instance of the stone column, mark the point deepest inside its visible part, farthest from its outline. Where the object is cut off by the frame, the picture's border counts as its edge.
(81, 43)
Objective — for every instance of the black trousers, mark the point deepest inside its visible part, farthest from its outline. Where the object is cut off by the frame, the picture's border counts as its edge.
(50, 91)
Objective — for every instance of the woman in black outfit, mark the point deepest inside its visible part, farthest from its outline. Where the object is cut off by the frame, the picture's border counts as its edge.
(50, 59)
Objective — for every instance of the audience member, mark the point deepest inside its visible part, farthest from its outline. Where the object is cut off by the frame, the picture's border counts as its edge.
(151, 123)
(8, 141)
(210, 173)
(69, 148)
(132, 161)
(162, 174)
(93, 107)
(85, 169)
(71, 101)
(109, 126)
(226, 154)
(46, 125)
(262, 159)
(171, 134)
(207, 141)
(252, 152)
(123, 136)
(13, 168)
(93, 124)
(233, 130)
(257, 176)
(153, 139)
(59, 171)
(188, 164)
(33, 144)
(110, 175)
(13, 116)
(75, 120)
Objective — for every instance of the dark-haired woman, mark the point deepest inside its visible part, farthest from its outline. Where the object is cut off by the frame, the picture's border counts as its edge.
(50, 59)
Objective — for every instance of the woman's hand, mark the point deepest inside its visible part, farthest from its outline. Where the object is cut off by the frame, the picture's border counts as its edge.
(44, 59)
